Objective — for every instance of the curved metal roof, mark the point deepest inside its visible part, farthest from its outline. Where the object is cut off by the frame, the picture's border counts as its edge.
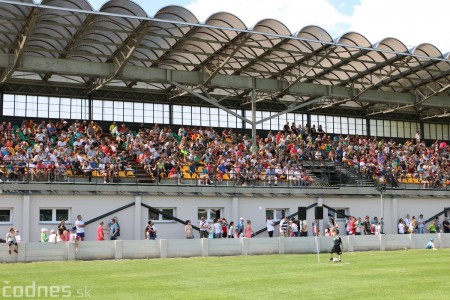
(296, 66)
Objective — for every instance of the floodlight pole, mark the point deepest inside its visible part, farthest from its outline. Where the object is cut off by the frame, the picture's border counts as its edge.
(381, 208)
(253, 117)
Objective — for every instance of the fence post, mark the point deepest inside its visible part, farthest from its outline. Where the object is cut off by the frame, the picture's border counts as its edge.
(118, 250)
(205, 247)
(382, 242)
(163, 248)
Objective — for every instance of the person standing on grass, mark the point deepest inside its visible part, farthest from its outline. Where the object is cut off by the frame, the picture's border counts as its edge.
(79, 224)
(11, 240)
(100, 232)
(337, 245)
(270, 226)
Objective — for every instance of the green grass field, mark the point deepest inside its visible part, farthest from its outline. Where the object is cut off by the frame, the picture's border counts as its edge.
(413, 274)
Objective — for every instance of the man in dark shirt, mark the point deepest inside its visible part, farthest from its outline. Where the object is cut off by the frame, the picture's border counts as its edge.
(366, 225)
(446, 225)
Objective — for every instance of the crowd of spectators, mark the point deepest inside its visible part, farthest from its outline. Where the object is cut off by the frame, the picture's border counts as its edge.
(49, 150)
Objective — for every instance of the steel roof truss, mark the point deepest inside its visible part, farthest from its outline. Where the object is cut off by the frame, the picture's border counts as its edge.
(123, 54)
(20, 44)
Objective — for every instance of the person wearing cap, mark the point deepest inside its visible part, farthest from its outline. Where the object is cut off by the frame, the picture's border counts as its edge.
(11, 240)
(430, 245)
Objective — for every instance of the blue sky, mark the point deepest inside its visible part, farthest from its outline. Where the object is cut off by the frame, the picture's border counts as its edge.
(411, 21)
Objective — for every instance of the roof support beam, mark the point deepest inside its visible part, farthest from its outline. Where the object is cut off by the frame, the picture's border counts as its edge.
(210, 100)
(20, 44)
(291, 84)
(434, 93)
(36, 64)
(237, 46)
(123, 54)
(292, 108)
(238, 42)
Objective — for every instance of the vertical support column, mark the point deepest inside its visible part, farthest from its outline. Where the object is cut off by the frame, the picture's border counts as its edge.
(90, 112)
(25, 219)
(253, 117)
(422, 131)
(1, 102)
(170, 113)
(235, 210)
(137, 217)
(394, 218)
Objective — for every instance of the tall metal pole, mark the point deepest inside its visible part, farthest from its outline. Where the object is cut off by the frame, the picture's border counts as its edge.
(381, 202)
(253, 118)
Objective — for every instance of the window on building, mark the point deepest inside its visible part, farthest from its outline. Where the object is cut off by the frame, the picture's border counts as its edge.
(338, 213)
(5, 215)
(163, 216)
(276, 213)
(210, 213)
(53, 215)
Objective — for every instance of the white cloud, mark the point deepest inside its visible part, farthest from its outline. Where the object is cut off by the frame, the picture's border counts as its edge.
(295, 14)
(411, 21)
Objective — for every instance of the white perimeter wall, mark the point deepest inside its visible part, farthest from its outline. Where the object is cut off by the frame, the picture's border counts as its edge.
(143, 249)
(25, 211)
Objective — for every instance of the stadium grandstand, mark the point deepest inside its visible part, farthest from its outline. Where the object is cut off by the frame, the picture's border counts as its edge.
(102, 111)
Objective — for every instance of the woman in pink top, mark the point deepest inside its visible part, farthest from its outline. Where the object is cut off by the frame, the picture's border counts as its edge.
(248, 232)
